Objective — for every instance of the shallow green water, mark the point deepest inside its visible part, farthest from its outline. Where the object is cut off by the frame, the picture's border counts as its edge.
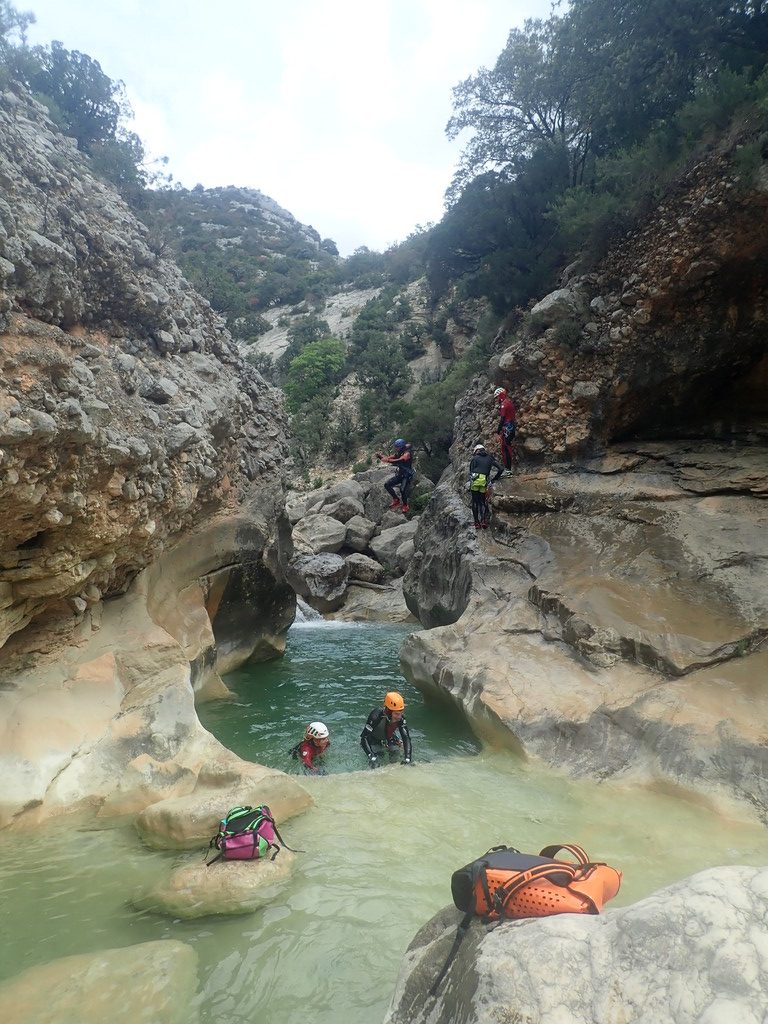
(380, 850)
(335, 672)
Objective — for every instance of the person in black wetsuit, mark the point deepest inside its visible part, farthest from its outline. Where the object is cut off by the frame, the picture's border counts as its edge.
(380, 731)
(404, 476)
(480, 467)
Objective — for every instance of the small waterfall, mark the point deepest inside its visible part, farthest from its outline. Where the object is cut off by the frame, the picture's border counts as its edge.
(304, 613)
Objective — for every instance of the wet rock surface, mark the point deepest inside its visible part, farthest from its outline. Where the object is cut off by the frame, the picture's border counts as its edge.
(233, 887)
(614, 620)
(689, 954)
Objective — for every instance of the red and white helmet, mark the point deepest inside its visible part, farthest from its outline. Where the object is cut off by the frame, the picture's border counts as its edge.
(317, 731)
(500, 392)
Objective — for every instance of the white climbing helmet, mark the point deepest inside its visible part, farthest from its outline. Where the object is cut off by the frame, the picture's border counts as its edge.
(499, 391)
(317, 731)
(478, 448)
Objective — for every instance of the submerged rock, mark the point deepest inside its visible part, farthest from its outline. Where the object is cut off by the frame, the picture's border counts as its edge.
(226, 887)
(693, 953)
(150, 983)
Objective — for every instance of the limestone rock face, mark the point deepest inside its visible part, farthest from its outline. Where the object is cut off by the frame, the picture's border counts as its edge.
(656, 335)
(437, 584)
(149, 983)
(690, 954)
(140, 461)
(613, 620)
(231, 887)
(127, 417)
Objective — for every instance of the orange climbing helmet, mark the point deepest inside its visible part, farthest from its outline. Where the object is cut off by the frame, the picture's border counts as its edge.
(394, 702)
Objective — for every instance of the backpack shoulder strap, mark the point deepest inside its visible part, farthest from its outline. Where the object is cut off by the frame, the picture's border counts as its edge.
(518, 882)
(572, 848)
(461, 931)
(283, 842)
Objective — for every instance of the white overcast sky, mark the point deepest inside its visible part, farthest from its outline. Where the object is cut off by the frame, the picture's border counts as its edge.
(334, 108)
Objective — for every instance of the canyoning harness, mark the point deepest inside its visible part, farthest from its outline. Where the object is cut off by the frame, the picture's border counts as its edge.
(506, 884)
(247, 833)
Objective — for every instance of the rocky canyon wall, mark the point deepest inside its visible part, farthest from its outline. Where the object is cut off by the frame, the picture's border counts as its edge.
(614, 620)
(139, 456)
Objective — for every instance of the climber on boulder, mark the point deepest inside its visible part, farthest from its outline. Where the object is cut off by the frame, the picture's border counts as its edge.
(507, 427)
(404, 474)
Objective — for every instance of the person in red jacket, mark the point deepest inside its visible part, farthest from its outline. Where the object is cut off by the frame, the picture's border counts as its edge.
(315, 743)
(507, 427)
(404, 474)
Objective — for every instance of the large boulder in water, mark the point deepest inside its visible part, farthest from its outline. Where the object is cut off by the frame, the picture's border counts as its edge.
(693, 953)
(226, 887)
(188, 822)
(320, 579)
(150, 983)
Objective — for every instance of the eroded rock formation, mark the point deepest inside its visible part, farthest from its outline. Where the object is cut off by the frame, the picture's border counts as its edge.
(689, 953)
(139, 456)
(615, 621)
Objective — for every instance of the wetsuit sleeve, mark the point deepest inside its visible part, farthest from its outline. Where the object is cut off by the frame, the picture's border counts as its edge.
(499, 469)
(405, 736)
(370, 725)
(306, 756)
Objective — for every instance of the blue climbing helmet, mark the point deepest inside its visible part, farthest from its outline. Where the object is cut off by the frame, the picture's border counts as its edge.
(399, 444)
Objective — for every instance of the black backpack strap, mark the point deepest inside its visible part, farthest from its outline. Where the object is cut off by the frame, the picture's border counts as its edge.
(283, 842)
(461, 931)
(572, 848)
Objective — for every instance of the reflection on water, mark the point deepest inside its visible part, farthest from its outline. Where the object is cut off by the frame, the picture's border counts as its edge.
(381, 847)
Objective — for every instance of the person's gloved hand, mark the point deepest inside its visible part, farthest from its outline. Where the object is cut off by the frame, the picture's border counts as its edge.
(406, 760)
(373, 761)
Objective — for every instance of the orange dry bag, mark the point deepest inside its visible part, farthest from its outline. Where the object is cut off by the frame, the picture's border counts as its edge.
(506, 884)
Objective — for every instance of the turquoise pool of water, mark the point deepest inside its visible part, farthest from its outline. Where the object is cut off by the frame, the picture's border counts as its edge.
(337, 673)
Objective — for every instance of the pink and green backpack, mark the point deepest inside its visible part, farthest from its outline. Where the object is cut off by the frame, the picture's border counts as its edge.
(247, 833)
